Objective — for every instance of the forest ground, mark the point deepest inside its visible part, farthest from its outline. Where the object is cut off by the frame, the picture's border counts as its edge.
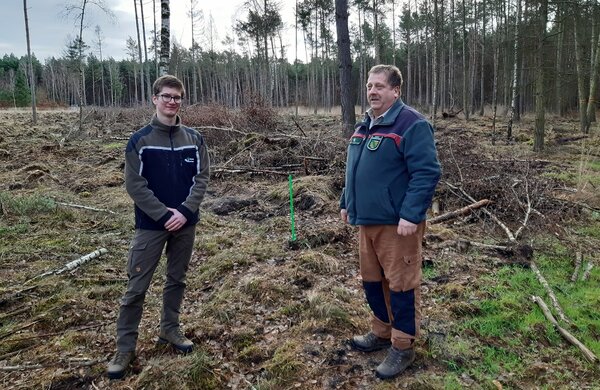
(267, 313)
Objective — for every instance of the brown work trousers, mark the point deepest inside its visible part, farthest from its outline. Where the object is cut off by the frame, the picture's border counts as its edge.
(390, 266)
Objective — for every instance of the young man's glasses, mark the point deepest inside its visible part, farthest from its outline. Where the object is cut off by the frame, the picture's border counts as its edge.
(167, 98)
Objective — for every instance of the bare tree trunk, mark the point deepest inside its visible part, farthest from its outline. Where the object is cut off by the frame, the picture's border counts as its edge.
(559, 60)
(513, 106)
(540, 106)
(434, 65)
(296, 61)
(584, 126)
(145, 64)
(137, 27)
(482, 76)
(465, 91)
(81, 66)
(394, 32)
(343, 44)
(103, 86)
(165, 37)
(451, 63)
(30, 65)
(376, 32)
(495, 87)
(594, 74)
(155, 39)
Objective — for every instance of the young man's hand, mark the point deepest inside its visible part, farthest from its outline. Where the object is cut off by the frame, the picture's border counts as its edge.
(406, 228)
(176, 221)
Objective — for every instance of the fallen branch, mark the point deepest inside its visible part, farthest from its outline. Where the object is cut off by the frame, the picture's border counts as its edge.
(248, 170)
(13, 353)
(587, 271)
(78, 206)
(589, 355)
(72, 265)
(5, 335)
(22, 367)
(457, 213)
(550, 293)
(578, 258)
(59, 333)
(15, 295)
(72, 363)
(220, 129)
(298, 126)
(533, 266)
(527, 212)
(15, 312)
(511, 237)
(570, 139)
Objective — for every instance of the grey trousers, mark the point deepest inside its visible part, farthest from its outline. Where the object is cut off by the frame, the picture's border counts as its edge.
(144, 255)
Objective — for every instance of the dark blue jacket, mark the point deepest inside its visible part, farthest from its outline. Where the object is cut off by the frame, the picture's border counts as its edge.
(166, 166)
(391, 169)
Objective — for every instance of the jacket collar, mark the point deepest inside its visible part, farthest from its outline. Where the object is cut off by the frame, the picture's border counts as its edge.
(389, 116)
(158, 125)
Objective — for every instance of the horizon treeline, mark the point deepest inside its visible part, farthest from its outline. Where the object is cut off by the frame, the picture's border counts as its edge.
(454, 55)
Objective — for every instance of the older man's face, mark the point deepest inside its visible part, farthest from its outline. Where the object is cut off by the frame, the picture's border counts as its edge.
(380, 93)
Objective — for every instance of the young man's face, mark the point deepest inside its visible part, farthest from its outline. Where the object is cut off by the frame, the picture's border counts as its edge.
(167, 102)
(380, 93)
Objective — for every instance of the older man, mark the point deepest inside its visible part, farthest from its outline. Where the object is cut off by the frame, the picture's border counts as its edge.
(391, 174)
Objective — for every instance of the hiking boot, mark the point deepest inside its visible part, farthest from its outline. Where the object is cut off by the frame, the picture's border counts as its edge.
(369, 342)
(119, 363)
(176, 338)
(395, 363)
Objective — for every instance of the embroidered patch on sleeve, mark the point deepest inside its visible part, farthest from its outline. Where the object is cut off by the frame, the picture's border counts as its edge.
(356, 140)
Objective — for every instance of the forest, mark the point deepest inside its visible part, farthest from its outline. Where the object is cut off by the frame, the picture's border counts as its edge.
(455, 55)
(511, 270)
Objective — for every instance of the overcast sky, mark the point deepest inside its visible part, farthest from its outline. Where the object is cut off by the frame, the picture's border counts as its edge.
(50, 29)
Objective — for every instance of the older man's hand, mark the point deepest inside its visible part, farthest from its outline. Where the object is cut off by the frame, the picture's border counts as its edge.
(406, 228)
(344, 215)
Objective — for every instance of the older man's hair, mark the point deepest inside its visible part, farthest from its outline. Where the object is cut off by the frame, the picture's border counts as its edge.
(168, 81)
(394, 76)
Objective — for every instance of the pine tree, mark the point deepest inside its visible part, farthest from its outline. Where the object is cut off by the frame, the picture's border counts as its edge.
(22, 92)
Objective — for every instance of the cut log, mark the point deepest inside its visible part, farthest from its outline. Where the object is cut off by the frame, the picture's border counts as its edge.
(71, 265)
(457, 213)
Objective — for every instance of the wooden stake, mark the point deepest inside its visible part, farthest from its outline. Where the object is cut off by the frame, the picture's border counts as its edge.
(587, 271)
(578, 259)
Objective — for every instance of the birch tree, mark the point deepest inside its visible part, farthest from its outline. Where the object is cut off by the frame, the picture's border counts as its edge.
(78, 11)
(165, 37)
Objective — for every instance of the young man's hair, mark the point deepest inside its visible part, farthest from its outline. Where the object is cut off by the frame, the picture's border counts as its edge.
(168, 81)
(394, 75)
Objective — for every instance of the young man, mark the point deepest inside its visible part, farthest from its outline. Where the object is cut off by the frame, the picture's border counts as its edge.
(391, 174)
(166, 175)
